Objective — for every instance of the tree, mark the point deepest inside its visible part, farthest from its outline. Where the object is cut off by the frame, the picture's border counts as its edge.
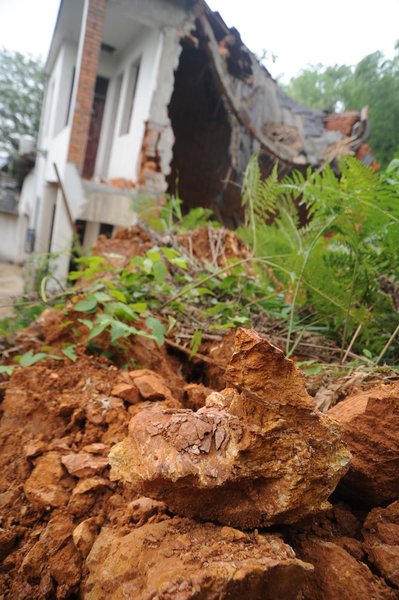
(320, 87)
(374, 82)
(21, 95)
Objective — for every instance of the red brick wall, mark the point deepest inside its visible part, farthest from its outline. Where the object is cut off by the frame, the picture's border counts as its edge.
(86, 83)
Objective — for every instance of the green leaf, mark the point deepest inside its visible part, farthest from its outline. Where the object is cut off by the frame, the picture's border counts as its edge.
(97, 330)
(88, 305)
(8, 369)
(171, 323)
(147, 265)
(69, 352)
(179, 262)
(119, 330)
(74, 275)
(122, 310)
(28, 359)
(102, 297)
(170, 253)
(160, 271)
(89, 324)
(203, 291)
(195, 342)
(118, 295)
(139, 307)
(158, 330)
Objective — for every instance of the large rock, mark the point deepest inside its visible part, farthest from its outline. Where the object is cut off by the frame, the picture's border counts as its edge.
(338, 575)
(180, 559)
(381, 541)
(371, 430)
(258, 453)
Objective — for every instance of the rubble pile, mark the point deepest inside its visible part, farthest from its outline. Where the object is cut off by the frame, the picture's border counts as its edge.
(140, 484)
(256, 454)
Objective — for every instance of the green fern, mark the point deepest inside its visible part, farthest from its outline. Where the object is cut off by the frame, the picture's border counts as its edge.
(329, 267)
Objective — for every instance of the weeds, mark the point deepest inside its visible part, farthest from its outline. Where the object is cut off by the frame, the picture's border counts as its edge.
(331, 265)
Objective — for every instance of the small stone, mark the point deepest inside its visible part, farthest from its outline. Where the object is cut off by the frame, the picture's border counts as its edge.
(126, 391)
(96, 448)
(150, 385)
(47, 485)
(34, 448)
(83, 464)
(84, 535)
(85, 493)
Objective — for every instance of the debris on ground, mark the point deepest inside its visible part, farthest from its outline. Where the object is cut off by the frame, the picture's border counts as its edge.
(256, 454)
(147, 470)
(370, 421)
(181, 558)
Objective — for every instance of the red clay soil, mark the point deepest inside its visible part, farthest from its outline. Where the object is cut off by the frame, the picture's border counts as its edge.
(69, 530)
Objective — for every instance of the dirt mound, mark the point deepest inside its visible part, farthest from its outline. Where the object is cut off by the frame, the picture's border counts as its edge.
(69, 530)
(126, 243)
(58, 424)
(258, 453)
(215, 246)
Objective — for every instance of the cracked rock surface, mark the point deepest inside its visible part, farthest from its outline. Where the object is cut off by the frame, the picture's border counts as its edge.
(180, 559)
(258, 453)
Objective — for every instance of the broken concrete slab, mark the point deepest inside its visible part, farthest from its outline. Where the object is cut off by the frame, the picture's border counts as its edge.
(258, 453)
(370, 421)
(182, 559)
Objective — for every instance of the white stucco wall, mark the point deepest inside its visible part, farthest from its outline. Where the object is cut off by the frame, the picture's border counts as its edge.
(62, 238)
(125, 149)
(12, 238)
(56, 132)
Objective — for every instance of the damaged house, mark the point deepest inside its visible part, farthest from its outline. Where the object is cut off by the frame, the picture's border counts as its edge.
(144, 93)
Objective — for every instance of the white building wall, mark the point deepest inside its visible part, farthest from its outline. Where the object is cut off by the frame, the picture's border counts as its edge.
(13, 230)
(56, 131)
(125, 148)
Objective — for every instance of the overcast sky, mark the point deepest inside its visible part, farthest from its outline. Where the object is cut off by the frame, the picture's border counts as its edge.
(298, 33)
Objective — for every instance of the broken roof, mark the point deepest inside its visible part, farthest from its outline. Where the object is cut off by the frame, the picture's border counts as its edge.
(285, 130)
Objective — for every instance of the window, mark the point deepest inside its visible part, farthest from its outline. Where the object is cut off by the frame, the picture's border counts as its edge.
(106, 229)
(129, 97)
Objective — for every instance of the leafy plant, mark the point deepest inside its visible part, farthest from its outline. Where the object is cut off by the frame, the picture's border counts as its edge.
(167, 215)
(330, 266)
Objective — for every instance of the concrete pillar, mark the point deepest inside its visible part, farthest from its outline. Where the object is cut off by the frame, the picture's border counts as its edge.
(91, 234)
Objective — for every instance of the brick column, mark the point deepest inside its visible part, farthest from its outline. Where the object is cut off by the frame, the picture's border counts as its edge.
(86, 83)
